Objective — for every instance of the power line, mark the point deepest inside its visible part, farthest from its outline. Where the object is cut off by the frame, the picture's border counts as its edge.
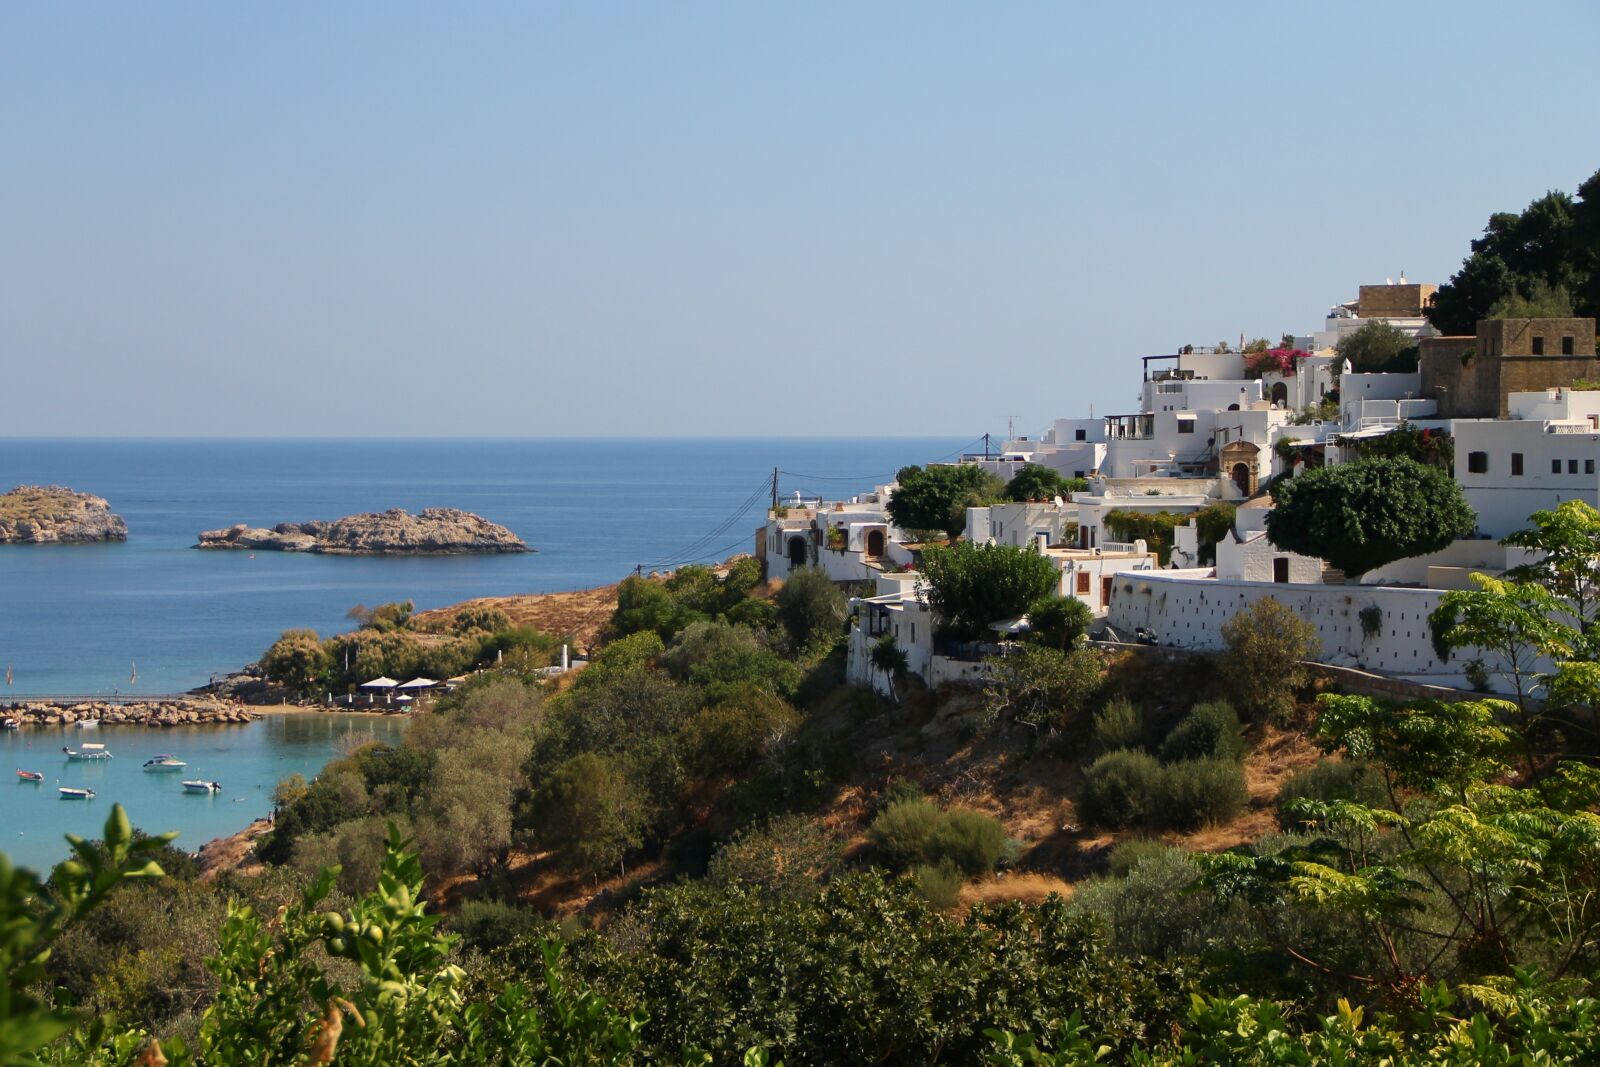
(688, 551)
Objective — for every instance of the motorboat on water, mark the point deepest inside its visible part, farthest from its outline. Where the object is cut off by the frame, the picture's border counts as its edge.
(30, 776)
(68, 793)
(87, 724)
(90, 750)
(10, 724)
(164, 762)
(202, 787)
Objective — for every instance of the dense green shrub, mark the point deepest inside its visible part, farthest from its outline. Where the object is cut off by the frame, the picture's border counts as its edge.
(1209, 730)
(1127, 854)
(1059, 621)
(1120, 789)
(811, 608)
(1328, 780)
(903, 832)
(917, 831)
(1197, 792)
(969, 840)
(940, 884)
(1262, 665)
(1154, 910)
(491, 924)
(1118, 725)
(789, 857)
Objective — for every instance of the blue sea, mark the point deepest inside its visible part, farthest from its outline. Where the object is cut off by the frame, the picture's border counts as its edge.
(154, 616)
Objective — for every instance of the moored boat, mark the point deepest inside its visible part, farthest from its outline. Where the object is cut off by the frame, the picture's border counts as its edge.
(87, 724)
(202, 787)
(164, 763)
(30, 776)
(89, 751)
(10, 724)
(68, 793)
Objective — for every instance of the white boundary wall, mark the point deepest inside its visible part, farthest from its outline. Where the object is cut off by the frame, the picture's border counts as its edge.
(1187, 611)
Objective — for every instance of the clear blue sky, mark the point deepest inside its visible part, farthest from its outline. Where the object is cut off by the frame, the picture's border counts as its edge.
(727, 219)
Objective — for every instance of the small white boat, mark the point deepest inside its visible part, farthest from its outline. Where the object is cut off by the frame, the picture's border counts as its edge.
(202, 787)
(75, 794)
(88, 751)
(87, 724)
(164, 763)
(10, 724)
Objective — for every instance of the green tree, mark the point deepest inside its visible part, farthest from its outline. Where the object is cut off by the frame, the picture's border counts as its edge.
(1041, 687)
(935, 499)
(1362, 516)
(1547, 248)
(297, 660)
(1059, 621)
(971, 586)
(588, 813)
(890, 659)
(810, 607)
(1377, 347)
(1262, 664)
(1037, 482)
(1567, 542)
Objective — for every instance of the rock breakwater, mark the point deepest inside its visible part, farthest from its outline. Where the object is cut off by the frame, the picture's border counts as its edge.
(433, 531)
(158, 713)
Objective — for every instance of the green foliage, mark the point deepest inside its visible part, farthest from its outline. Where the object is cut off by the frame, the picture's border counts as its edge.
(1376, 347)
(395, 615)
(725, 738)
(1542, 301)
(1516, 622)
(1154, 528)
(1039, 687)
(1261, 665)
(1120, 789)
(1209, 730)
(1361, 516)
(588, 813)
(789, 857)
(811, 608)
(940, 885)
(1118, 725)
(1129, 788)
(865, 972)
(1432, 447)
(1327, 780)
(1037, 482)
(971, 586)
(297, 659)
(890, 659)
(721, 659)
(1565, 545)
(935, 499)
(1060, 622)
(1528, 261)
(33, 915)
(492, 924)
(910, 832)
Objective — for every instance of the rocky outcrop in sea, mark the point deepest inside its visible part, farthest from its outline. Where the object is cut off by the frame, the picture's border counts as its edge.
(433, 531)
(143, 713)
(54, 514)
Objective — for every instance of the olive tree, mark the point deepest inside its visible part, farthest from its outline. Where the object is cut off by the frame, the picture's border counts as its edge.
(970, 586)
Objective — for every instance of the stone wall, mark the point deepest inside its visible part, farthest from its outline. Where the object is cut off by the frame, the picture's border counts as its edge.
(1502, 362)
(1393, 301)
(1453, 376)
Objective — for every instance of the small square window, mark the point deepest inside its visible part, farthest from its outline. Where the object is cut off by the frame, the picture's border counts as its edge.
(1477, 463)
(1555, 466)
(1588, 466)
(1186, 426)
(1081, 435)
(1572, 466)
(1516, 464)
(1538, 345)
(1566, 344)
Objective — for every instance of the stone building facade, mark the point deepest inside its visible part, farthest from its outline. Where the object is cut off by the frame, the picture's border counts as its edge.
(1472, 377)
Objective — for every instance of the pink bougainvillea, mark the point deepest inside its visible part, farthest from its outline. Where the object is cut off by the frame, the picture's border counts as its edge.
(1283, 361)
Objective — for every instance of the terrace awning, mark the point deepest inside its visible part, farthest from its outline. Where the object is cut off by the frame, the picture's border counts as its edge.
(380, 683)
(419, 683)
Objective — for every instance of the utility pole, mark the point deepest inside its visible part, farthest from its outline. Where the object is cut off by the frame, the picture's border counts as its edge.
(985, 446)
(774, 488)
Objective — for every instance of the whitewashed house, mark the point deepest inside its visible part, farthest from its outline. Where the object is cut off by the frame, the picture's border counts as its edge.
(1547, 451)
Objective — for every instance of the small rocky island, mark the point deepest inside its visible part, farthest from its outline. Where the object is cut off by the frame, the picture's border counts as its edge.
(434, 531)
(54, 514)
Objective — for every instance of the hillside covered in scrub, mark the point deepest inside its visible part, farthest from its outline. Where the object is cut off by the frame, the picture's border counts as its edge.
(705, 847)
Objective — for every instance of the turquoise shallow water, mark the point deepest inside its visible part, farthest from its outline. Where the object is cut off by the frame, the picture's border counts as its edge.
(247, 759)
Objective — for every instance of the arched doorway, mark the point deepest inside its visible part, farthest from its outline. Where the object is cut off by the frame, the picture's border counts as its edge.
(875, 543)
(797, 551)
(1280, 395)
(1240, 462)
(1241, 477)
